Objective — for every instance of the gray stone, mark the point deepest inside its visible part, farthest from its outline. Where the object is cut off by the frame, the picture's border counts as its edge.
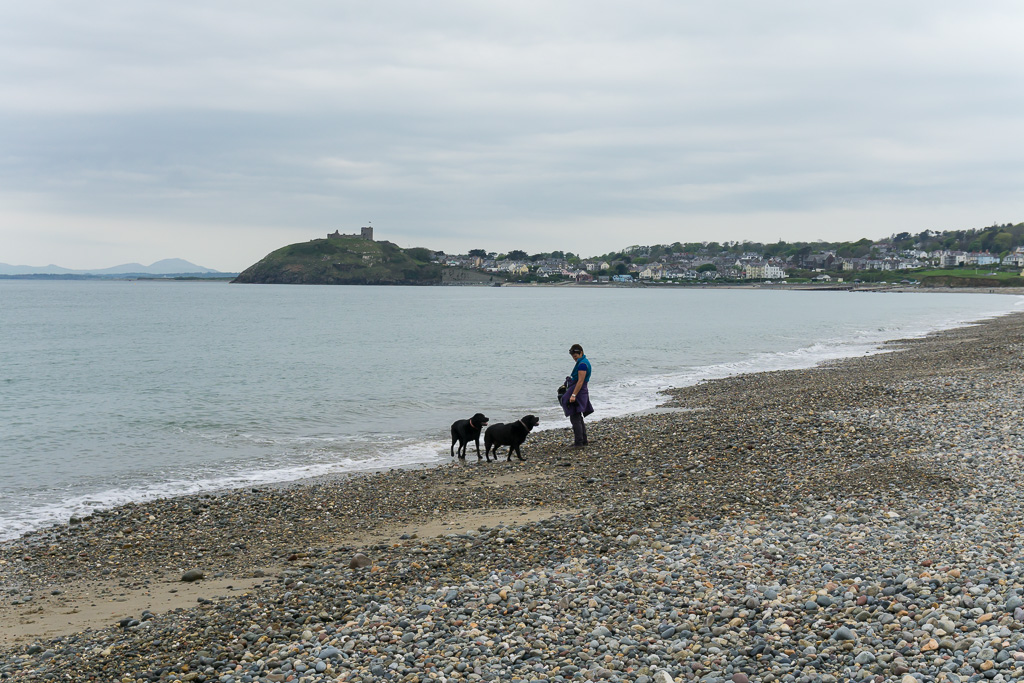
(193, 575)
(844, 633)
(358, 561)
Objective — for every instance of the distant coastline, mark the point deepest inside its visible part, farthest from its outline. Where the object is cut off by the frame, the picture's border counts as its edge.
(360, 259)
(213, 277)
(668, 286)
(796, 287)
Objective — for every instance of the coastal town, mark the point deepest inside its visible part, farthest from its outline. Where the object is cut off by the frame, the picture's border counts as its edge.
(731, 262)
(985, 257)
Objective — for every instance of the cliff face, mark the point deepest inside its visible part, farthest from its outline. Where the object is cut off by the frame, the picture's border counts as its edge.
(344, 261)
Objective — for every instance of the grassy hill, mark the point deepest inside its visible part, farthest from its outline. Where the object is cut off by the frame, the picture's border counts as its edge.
(344, 261)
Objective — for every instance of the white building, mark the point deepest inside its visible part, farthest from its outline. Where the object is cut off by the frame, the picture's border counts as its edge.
(762, 270)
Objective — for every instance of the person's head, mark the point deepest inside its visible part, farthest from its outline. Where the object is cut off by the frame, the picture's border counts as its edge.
(575, 350)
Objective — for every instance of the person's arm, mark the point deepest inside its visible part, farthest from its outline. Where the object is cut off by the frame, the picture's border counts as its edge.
(579, 385)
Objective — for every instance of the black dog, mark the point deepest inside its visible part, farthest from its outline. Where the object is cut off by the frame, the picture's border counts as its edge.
(465, 431)
(512, 435)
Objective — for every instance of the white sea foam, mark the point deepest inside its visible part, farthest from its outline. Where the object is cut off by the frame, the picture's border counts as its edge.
(646, 393)
(30, 517)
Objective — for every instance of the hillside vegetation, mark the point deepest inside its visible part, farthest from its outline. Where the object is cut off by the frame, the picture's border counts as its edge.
(344, 261)
(966, 277)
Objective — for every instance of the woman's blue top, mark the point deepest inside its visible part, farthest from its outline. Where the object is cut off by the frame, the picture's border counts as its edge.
(581, 364)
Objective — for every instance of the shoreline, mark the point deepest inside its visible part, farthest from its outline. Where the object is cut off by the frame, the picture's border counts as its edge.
(874, 288)
(813, 485)
(882, 288)
(662, 383)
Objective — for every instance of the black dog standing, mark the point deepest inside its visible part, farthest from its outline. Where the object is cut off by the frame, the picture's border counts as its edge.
(465, 430)
(512, 435)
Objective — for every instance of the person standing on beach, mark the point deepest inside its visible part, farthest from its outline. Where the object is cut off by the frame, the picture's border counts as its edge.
(576, 399)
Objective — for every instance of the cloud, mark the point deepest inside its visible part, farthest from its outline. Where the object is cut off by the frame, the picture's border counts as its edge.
(440, 121)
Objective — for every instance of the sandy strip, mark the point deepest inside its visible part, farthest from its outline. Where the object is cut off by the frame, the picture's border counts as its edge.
(94, 604)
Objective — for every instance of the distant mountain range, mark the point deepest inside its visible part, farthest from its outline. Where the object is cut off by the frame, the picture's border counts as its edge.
(169, 266)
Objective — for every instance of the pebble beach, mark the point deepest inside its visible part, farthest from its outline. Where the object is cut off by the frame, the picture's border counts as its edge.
(857, 521)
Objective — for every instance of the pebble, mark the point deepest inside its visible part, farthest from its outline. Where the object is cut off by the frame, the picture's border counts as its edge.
(358, 561)
(193, 575)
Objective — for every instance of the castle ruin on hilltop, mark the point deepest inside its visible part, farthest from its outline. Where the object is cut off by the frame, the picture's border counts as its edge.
(364, 233)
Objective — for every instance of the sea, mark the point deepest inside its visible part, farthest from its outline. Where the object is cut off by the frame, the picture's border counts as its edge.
(125, 391)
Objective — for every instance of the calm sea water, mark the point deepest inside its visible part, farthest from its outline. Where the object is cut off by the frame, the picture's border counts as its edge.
(126, 391)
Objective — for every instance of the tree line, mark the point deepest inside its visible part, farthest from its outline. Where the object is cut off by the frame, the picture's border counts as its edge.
(995, 239)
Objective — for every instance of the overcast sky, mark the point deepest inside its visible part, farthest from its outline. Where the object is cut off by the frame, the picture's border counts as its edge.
(219, 131)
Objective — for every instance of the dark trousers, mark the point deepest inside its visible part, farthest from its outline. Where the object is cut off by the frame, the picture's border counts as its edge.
(579, 430)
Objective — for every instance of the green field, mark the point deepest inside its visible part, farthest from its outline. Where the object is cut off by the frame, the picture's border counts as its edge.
(967, 277)
(972, 273)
